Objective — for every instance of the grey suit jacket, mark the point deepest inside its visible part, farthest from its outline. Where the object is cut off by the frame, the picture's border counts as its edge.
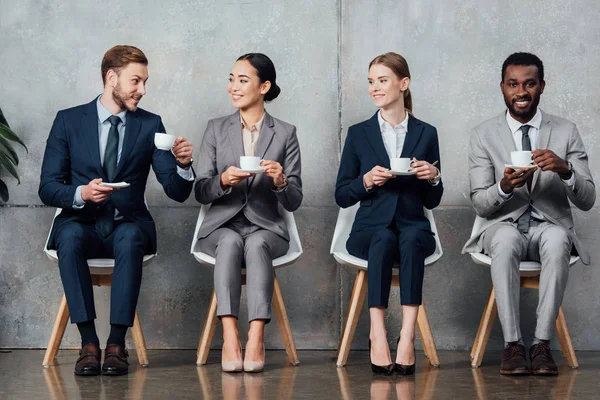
(222, 147)
(489, 150)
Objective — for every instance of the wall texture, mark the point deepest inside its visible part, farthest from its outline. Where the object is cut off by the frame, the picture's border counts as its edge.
(51, 59)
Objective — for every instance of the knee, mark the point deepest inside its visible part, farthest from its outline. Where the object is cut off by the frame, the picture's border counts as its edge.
(506, 240)
(71, 235)
(231, 241)
(127, 236)
(256, 242)
(555, 241)
(384, 238)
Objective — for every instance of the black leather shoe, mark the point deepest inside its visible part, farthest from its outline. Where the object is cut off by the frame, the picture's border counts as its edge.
(115, 360)
(385, 370)
(542, 362)
(88, 363)
(405, 369)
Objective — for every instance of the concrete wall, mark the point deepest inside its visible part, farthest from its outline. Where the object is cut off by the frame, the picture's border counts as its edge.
(50, 60)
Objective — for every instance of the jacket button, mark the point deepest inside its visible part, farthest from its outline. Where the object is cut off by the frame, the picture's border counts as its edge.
(510, 220)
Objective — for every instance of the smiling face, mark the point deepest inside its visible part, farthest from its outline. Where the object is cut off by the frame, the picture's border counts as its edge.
(130, 85)
(245, 87)
(386, 88)
(522, 89)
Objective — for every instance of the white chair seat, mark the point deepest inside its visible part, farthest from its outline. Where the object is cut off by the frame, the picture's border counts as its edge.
(293, 253)
(342, 233)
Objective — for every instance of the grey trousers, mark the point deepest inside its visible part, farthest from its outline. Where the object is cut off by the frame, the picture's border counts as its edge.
(238, 244)
(546, 243)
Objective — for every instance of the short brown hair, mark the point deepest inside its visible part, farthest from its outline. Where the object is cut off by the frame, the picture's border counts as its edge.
(119, 57)
(399, 67)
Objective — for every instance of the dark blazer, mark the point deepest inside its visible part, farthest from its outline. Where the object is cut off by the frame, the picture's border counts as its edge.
(222, 147)
(402, 197)
(72, 158)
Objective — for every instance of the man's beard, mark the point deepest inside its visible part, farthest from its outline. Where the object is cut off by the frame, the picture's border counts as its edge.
(120, 98)
(525, 114)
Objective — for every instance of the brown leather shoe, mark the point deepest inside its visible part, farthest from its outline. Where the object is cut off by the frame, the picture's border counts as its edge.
(542, 362)
(514, 360)
(88, 363)
(115, 360)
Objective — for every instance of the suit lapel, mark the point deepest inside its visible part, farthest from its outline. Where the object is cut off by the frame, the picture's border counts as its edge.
(543, 140)
(376, 140)
(89, 128)
(413, 134)
(506, 136)
(265, 137)
(132, 130)
(234, 131)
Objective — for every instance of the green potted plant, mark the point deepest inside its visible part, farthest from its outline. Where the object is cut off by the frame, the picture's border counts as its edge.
(9, 159)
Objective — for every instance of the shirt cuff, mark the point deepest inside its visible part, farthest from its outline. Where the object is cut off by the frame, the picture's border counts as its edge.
(571, 180)
(186, 174)
(78, 202)
(502, 194)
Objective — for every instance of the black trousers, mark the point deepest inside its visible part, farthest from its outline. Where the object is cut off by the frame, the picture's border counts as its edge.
(75, 243)
(381, 248)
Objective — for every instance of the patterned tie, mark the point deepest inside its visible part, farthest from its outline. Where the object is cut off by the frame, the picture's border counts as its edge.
(523, 222)
(106, 221)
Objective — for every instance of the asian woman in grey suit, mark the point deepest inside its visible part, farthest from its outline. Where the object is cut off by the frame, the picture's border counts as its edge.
(243, 227)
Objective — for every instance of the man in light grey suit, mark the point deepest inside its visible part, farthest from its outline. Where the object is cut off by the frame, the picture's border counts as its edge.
(525, 212)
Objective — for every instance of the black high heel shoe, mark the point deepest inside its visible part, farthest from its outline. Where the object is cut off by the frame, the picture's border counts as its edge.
(405, 369)
(386, 370)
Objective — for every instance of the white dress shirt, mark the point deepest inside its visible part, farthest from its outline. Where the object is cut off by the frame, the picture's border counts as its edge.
(393, 136)
(534, 133)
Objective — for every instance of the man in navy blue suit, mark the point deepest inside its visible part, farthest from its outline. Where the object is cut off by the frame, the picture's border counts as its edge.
(108, 140)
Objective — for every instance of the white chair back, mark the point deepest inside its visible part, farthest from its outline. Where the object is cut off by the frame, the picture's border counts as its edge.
(293, 253)
(341, 234)
(98, 266)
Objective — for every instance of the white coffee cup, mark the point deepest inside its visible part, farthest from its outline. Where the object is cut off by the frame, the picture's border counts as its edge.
(400, 164)
(250, 163)
(164, 141)
(521, 158)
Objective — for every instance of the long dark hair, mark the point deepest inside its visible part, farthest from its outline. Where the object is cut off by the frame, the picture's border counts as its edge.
(265, 70)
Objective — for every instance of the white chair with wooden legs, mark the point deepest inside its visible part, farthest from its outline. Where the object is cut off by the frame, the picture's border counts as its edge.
(101, 270)
(294, 252)
(359, 292)
(530, 278)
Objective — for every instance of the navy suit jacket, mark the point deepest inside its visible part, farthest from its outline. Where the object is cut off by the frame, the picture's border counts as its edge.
(403, 197)
(72, 158)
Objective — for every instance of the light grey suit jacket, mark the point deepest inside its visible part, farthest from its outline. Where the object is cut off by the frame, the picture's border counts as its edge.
(489, 150)
(222, 147)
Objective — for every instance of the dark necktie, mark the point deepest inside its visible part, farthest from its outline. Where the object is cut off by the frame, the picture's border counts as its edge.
(523, 222)
(106, 221)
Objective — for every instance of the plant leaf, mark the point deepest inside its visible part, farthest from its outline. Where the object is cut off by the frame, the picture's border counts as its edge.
(3, 191)
(7, 149)
(8, 134)
(2, 119)
(6, 163)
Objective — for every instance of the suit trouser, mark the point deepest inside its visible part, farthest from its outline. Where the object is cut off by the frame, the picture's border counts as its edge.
(237, 244)
(381, 247)
(546, 243)
(76, 243)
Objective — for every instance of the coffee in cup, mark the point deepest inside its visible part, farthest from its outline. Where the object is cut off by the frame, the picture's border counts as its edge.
(250, 163)
(521, 158)
(164, 141)
(400, 164)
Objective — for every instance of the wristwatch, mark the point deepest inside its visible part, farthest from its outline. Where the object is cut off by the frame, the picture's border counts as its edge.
(437, 178)
(570, 172)
(184, 166)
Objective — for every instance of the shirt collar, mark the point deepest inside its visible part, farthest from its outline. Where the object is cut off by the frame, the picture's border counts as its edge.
(383, 124)
(515, 125)
(104, 114)
(257, 125)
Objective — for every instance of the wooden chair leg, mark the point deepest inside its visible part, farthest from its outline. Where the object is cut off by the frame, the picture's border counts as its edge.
(58, 331)
(357, 299)
(208, 331)
(485, 328)
(139, 341)
(284, 324)
(427, 337)
(562, 331)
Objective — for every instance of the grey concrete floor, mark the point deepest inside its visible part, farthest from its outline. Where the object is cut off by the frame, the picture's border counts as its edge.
(173, 375)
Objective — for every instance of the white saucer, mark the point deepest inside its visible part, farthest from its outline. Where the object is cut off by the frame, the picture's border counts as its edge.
(516, 167)
(115, 185)
(402, 173)
(252, 171)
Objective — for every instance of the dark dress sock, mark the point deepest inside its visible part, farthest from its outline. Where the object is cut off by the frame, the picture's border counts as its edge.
(87, 330)
(117, 335)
